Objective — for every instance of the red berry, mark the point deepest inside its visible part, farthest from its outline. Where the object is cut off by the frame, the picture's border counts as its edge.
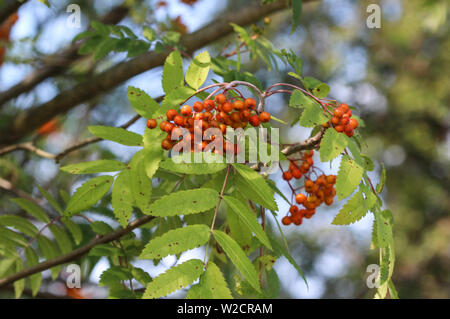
(344, 107)
(297, 219)
(335, 120)
(162, 125)
(287, 176)
(353, 122)
(209, 104)
(296, 173)
(286, 220)
(254, 120)
(151, 123)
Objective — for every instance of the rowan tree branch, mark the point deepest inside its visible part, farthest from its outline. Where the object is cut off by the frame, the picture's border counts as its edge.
(57, 63)
(30, 119)
(9, 7)
(77, 253)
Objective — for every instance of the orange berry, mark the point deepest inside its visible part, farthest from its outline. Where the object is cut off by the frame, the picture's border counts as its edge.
(297, 219)
(287, 176)
(209, 104)
(254, 120)
(151, 123)
(238, 105)
(335, 120)
(220, 98)
(286, 220)
(250, 103)
(227, 107)
(339, 128)
(297, 174)
(300, 198)
(353, 122)
(338, 112)
(344, 107)
(186, 110)
(264, 117)
(198, 106)
(293, 209)
(165, 144)
(179, 120)
(162, 125)
(171, 114)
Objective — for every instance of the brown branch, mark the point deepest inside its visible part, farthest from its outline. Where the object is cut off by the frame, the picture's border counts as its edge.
(308, 144)
(59, 62)
(32, 118)
(9, 7)
(28, 146)
(77, 253)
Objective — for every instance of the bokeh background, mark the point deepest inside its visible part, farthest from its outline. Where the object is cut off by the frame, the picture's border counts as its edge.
(396, 76)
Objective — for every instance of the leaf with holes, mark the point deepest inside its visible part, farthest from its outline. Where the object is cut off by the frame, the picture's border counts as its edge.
(88, 194)
(212, 285)
(116, 134)
(173, 77)
(349, 175)
(248, 218)
(238, 258)
(332, 144)
(142, 103)
(140, 183)
(174, 279)
(93, 167)
(176, 241)
(184, 203)
(122, 198)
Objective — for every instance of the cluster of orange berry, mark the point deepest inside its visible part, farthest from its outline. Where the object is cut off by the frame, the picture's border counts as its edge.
(189, 122)
(319, 191)
(297, 170)
(342, 120)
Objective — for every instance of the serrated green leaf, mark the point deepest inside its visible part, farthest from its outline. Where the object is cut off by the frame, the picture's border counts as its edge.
(19, 285)
(181, 164)
(50, 251)
(255, 187)
(101, 227)
(142, 103)
(113, 276)
(19, 223)
(248, 218)
(367, 163)
(184, 203)
(380, 185)
(140, 183)
(107, 250)
(92, 167)
(141, 275)
(238, 258)
(212, 285)
(122, 198)
(279, 249)
(238, 231)
(312, 114)
(197, 71)
(33, 209)
(74, 229)
(384, 230)
(62, 239)
(52, 201)
(174, 279)
(355, 209)
(9, 237)
(176, 241)
(173, 78)
(116, 134)
(88, 194)
(35, 280)
(332, 144)
(349, 176)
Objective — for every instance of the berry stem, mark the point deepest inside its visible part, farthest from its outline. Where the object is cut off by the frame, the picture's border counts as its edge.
(216, 211)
